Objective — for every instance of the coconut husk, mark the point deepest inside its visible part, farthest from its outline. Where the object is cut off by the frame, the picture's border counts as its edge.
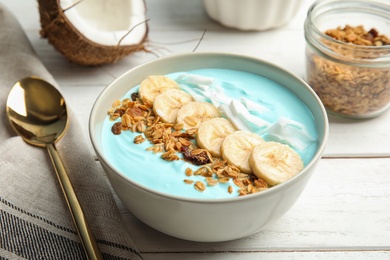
(73, 45)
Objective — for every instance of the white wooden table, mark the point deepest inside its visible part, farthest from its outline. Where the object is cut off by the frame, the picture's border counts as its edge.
(344, 213)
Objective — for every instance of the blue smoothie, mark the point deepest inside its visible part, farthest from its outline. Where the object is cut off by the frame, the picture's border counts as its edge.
(286, 119)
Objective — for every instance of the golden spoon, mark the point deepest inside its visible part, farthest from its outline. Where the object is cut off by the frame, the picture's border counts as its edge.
(37, 112)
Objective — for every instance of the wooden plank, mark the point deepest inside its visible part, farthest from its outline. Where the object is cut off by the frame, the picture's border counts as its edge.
(348, 138)
(359, 255)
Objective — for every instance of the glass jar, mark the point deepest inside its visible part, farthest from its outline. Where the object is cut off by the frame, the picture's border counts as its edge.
(352, 80)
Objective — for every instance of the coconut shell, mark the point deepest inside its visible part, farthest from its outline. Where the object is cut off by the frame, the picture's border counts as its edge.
(73, 45)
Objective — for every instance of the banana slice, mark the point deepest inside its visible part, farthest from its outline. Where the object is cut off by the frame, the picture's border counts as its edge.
(153, 86)
(211, 134)
(169, 102)
(237, 147)
(192, 114)
(275, 162)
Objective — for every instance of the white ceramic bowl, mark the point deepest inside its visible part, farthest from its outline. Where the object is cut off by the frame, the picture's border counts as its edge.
(207, 220)
(257, 15)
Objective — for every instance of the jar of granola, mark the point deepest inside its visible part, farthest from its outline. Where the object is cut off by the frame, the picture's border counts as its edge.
(348, 56)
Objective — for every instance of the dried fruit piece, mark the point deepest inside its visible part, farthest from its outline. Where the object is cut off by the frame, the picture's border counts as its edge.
(116, 128)
(200, 158)
(135, 112)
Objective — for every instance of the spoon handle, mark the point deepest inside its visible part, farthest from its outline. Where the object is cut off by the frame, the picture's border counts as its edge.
(85, 234)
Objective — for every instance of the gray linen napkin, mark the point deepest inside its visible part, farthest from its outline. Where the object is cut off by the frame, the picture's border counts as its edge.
(34, 219)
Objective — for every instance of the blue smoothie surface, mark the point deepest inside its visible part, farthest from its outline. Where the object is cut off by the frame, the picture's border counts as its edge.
(149, 170)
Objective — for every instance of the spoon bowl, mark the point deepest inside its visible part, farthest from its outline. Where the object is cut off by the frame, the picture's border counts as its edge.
(37, 112)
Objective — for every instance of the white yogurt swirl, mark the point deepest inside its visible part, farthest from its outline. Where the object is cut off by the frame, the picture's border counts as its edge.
(244, 113)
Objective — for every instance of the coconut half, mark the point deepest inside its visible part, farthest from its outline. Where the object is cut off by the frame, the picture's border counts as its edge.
(94, 32)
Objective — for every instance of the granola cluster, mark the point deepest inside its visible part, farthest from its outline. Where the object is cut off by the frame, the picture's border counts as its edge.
(358, 36)
(347, 88)
(175, 143)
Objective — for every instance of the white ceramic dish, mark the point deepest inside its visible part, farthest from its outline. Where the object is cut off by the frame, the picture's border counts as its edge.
(217, 219)
(256, 15)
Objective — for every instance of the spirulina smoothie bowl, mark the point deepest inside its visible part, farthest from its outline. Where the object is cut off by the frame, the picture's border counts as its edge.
(208, 147)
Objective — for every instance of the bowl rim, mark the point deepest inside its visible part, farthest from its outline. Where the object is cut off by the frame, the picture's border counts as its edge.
(317, 156)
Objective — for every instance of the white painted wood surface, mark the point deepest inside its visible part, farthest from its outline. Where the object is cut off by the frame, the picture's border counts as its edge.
(344, 213)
